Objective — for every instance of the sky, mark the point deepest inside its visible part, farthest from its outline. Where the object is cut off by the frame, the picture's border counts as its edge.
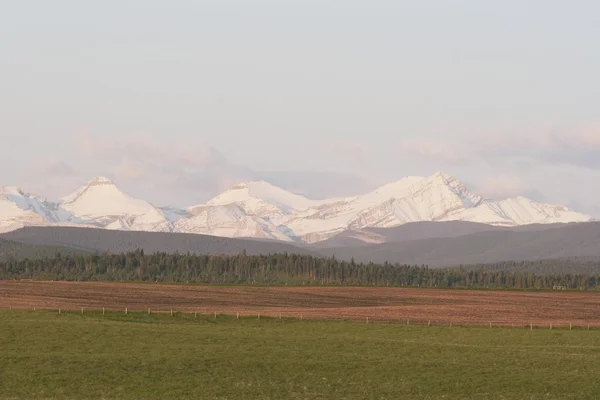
(176, 101)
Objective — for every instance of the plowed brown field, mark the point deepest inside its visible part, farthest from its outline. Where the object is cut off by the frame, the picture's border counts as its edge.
(460, 307)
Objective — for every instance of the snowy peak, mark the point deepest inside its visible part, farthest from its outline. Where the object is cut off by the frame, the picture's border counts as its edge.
(394, 190)
(99, 195)
(261, 210)
(99, 184)
(102, 203)
(262, 199)
(439, 197)
(449, 186)
(264, 191)
(100, 180)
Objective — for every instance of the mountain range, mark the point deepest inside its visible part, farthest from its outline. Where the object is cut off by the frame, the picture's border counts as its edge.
(263, 211)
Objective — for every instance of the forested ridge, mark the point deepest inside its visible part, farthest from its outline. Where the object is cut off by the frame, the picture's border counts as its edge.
(16, 250)
(276, 269)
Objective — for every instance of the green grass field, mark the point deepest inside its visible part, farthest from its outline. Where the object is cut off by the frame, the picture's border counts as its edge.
(44, 355)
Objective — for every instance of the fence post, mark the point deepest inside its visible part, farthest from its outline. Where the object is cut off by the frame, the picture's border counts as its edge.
(429, 323)
(125, 310)
(81, 310)
(103, 311)
(490, 324)
(237, 316)
(279, 315)
(301, 318)
(550, 326)
(195, 314)
(148, 311)
(59, 310)
(570, 327)
(171, 312)
(407, 322)
(531, 326)
(367, 320)
(258, 315)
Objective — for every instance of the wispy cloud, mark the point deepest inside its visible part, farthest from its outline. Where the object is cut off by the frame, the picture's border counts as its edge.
(50, 177)
(500, 187)
(170, 172)
(577, 146)
(441, 151)
(194, 154)
(54, 169)
(319, 185)
(353, 152)
(191, 172)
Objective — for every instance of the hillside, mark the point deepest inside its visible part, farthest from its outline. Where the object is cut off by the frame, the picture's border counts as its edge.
(89, 239)
(558, 242)
(402, 233)
(420, 230)
(18, 251)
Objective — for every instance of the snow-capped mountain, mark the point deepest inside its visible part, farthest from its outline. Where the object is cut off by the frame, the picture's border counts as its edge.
(261, 199)
(229, 220)
(101, 203)
(19, 209)
(260, 210)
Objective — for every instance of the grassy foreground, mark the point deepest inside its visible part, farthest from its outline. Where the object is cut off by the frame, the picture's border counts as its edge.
(44, 355)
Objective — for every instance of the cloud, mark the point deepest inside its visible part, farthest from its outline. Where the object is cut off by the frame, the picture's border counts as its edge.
(352, 151)
(54, 169)
(189, 173)
(179, 173)
(193, 154)
(127, 171)
(319, 185)
(577, 146)
(442, 152)
(501, 187)
(50, 177)
(585, 207)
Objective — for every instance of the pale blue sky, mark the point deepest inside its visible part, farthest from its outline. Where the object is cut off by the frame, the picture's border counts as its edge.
(177, 100)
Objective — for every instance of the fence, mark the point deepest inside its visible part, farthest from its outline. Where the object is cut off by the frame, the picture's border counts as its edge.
(310, 315)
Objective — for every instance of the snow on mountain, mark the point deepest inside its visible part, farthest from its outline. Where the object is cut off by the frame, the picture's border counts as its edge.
(101, 203)
(260, 210)
(174, 214)
(439, 197)
(17, 209)
(228, 220)
(523, 211)
(410, 199)
(261, 199)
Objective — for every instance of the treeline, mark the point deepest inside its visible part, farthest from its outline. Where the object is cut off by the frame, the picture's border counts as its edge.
(274, 269)
(573, 266)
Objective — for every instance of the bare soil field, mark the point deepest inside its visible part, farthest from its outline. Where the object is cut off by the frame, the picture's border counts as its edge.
(459, 307)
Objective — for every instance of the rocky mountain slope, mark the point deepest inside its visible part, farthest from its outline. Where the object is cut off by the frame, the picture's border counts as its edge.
(261, 210)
